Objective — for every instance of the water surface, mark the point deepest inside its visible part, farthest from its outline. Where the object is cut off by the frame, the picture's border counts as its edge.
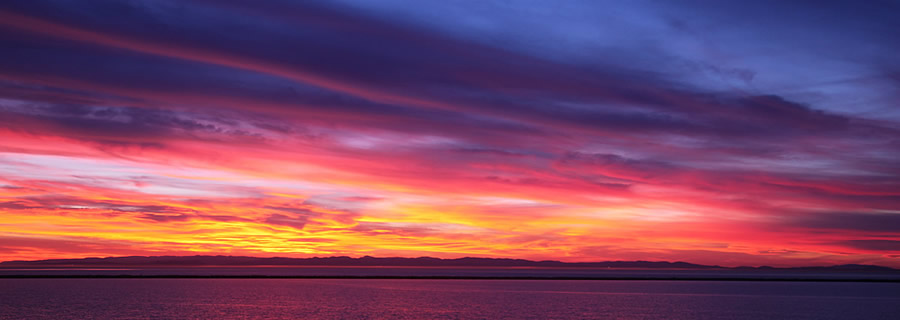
(442, 299)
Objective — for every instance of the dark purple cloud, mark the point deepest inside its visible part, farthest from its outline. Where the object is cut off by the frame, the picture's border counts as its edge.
(518, 87)
(288, 221)
(873, 245)
(851, 221)
(782, 110)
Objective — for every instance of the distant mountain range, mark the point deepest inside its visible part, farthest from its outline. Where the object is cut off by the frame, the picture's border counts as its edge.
(367, 261)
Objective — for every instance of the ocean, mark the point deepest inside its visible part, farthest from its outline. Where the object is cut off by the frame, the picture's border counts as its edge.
(135, 298)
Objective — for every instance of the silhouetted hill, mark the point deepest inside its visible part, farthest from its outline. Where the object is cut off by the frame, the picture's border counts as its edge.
(187, 261)
(344, 261)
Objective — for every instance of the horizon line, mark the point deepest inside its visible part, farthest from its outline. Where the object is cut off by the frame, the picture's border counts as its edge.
(449, 259)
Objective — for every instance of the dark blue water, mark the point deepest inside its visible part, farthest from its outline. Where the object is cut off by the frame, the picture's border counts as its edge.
(442, 299)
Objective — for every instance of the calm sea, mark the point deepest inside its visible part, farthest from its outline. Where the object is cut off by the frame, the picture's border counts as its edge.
(442, 299)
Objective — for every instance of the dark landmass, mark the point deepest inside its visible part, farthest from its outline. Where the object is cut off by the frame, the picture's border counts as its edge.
(645, 278)
(201, 261)
(367, 261)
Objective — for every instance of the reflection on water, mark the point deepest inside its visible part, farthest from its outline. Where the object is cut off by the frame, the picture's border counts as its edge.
(442, 299)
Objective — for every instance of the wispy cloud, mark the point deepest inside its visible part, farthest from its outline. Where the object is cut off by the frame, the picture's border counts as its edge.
(528, 130)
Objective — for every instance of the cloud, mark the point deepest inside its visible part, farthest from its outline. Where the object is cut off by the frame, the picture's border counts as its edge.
(691, 116)
(17, 205)
(313, 240)
(164, 218)
(354, 68)
(856, 221)
(298, 211)
(872, 245)
(399, 229)
(75, 203)
(288, 221)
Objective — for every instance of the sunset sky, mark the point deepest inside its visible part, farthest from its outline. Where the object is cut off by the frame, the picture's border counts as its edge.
(713, 132)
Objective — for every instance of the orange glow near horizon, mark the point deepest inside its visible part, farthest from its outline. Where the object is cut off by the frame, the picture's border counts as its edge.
(52, 212)
(360, 136)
